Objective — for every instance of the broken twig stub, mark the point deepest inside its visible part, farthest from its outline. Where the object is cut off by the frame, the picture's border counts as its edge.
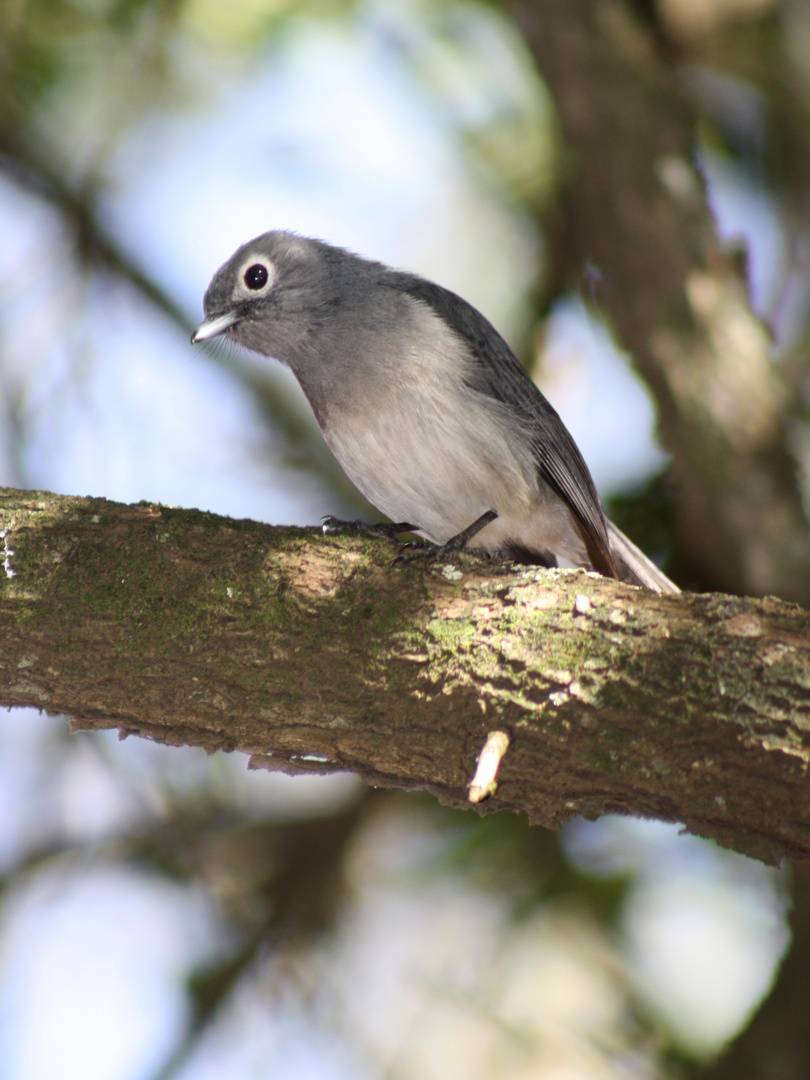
(484, 783)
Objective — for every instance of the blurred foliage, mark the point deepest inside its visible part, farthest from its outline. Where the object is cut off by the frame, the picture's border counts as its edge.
(503, 855)
(287, 893)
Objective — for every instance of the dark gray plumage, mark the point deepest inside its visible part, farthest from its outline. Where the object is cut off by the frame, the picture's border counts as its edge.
(422, 402)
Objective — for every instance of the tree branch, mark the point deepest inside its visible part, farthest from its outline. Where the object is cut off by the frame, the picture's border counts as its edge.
(312, 655)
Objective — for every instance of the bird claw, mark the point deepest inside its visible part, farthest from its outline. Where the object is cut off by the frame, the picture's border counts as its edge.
(452, 547)
(436, 552)
(414, 550)
(332, 526)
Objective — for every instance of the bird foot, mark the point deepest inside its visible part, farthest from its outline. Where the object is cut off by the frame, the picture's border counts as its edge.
(411, 552)
(333, 526)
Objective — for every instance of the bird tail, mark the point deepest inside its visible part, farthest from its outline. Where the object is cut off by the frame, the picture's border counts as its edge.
(634, 566)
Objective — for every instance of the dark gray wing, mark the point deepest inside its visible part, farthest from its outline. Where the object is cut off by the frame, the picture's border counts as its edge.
(499, 374)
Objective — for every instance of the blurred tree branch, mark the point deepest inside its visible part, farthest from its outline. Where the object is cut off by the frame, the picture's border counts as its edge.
(313, 656)
(94, 244)
(635, 213)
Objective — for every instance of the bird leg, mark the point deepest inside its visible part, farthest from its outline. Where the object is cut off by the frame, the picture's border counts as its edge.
(452, 547)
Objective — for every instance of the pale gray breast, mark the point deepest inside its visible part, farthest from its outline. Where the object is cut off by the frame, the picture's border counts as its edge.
(416, 440)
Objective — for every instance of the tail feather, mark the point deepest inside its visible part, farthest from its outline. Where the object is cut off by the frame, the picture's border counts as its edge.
(634, 566)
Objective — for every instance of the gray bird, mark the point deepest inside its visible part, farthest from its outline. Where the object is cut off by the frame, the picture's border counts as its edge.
(423, 404)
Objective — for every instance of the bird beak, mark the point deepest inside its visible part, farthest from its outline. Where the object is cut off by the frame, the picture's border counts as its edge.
(213, 326)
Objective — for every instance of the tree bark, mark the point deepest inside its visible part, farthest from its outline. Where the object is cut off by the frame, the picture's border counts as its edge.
(312, 654)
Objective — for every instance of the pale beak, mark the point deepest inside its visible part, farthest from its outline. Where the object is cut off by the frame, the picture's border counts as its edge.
(213, 327)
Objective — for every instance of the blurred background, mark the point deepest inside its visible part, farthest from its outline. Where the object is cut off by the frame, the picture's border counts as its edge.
(623, 188)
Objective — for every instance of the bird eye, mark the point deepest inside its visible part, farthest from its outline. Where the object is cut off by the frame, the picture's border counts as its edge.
(255, 277)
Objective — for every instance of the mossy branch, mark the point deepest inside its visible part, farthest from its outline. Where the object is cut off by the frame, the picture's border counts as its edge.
(312, 654)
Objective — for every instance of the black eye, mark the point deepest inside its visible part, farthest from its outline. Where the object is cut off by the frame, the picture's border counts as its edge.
(256, 276)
